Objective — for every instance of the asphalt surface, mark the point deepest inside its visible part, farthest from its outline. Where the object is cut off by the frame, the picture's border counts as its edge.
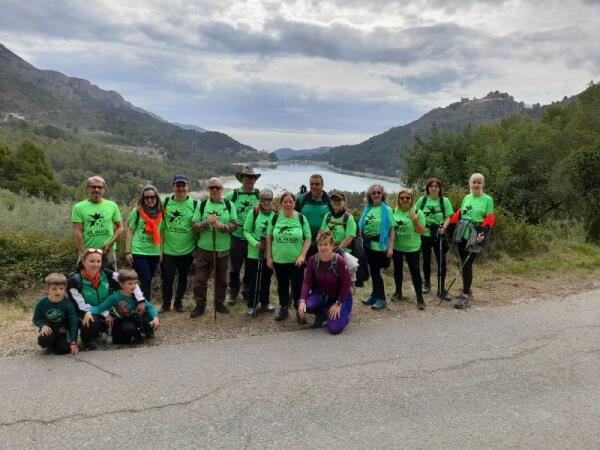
(524, 376)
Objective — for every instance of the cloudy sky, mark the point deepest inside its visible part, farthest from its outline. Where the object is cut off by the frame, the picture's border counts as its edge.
(310, 73)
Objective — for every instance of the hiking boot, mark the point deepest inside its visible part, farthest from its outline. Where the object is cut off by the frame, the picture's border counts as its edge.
(231, 301)
(251, 312)
(267, 308)
(221, 308)
(443, 296)
(301, 320)
(378, 304)
(369, 301)
(179, 308)
(198, 310)
(426, 288)
(421, 305)
(282, 314)
(396, 296)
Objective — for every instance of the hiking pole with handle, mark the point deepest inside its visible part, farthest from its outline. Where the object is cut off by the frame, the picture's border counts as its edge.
(214, 260)
(258, 281)
(460, 270)
(440, 288)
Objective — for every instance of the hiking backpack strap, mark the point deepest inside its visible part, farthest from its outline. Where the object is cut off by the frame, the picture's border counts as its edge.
(423, 203)
(333, 266)
(255, 213)
(204, 202)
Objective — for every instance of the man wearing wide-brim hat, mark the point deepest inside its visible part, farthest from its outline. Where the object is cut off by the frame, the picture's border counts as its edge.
(245, 200)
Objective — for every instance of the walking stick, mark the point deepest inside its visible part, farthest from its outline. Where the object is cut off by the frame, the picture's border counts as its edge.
(258, 280)
(460, 269)
(214, 239)
(440, 288)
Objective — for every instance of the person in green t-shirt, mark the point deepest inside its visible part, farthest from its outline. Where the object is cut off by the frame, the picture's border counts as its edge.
(126, 322)
(438, 211)
(214, 221)
(56, 319)
(288, 240)
(245, 199)
(408, 225)
(97, 222)
(377, 229)
(314, 205)
(476, 215)
(177, 243)
(340, 222)
(142, 245)
(255, 231)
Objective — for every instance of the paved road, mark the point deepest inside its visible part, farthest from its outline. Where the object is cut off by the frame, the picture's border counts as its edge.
(525, 376)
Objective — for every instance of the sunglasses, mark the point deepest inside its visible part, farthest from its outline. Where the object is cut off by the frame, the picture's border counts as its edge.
(266, 200)
(402, 197)
(376, 193)
(215, 188)
(96, 187)
(94, 250)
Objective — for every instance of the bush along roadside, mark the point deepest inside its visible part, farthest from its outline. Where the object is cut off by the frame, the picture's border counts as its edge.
(27, 257)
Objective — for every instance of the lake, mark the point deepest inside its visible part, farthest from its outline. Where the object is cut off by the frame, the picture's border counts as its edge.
(291, 176)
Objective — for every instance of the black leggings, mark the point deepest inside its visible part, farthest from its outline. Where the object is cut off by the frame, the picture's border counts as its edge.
(427, 245)
(94, 330)
(412, 258)
(467, 271)
(124, 329)
(377, 261)
(56, 343)
(170, 265)
(289, 274)
(265, 285)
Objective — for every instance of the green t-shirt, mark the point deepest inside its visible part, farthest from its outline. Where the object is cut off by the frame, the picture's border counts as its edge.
(313, 211)
(223, 239)
(121, 305)
(142, 243)
(373, 224)
(288, 237)
(475, 209)
(176, 227)
(255, 230)
(433, 212)
(336, 225)
(98, 220)
(406, 239)
(56, 315)
(244, 204)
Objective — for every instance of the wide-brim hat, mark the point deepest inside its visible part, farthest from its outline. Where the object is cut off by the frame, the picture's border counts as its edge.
(247, 171)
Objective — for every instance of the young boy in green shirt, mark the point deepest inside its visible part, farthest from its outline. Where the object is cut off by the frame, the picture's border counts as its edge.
(56, 319)
(124, 320)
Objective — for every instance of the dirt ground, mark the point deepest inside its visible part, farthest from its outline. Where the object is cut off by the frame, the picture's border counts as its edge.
(18, 336)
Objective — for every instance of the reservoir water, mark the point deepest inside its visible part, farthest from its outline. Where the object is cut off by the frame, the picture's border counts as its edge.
(290, 176)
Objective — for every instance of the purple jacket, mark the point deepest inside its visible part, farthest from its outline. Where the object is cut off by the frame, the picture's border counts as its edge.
(325, 280)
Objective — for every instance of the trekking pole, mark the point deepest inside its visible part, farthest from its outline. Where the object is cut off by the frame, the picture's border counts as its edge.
(258, 280)
(439, 271)
(460, 269)
(214, 239)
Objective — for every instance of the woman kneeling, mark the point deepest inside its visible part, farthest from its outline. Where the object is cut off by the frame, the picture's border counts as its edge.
(326, 287)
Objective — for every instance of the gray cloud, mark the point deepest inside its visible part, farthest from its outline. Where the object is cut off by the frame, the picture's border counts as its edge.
(426, 83)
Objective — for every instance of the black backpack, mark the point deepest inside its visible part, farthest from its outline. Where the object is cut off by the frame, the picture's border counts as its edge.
(204, 202)
(333, 266)
(345, 219)
(442, 207)
(276, 216)
(303, 198)
(255, 213)
(137, 220)
(236, 193)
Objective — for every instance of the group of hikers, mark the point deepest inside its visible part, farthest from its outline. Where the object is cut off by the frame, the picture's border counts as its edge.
(312, 244)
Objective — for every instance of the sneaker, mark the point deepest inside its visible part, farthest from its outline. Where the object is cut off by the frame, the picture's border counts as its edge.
(251, 312)
(282, 314)
(421, 306)
(459, 302)
(198, 311)
(426, 288)
(179, 308)
(267, 308)
(319, 320)
(378, 304)
(396, 296)
(221, 308)
(92, 344)
(164, 309)
(443, 296)
(369, 301)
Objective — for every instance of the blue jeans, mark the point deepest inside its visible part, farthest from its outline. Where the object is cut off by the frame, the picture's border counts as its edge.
(145, 266)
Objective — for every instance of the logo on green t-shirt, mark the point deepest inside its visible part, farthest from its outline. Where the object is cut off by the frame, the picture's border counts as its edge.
(468, 209)
(55, 315)
(175, 217)
(96, 219)
(401, 223)
(430, 211)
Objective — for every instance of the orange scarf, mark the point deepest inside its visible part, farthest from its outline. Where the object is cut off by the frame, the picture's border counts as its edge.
(152, 225)
(95, 280)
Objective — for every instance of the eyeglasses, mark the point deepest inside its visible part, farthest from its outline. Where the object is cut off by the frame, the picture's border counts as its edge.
(215, 188)
(95, 187)
(376, 193)
(403, 197)
(94, 250)
(266, 200)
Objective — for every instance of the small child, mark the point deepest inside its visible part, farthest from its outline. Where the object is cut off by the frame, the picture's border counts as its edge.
(56, 319)
(122, 305)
